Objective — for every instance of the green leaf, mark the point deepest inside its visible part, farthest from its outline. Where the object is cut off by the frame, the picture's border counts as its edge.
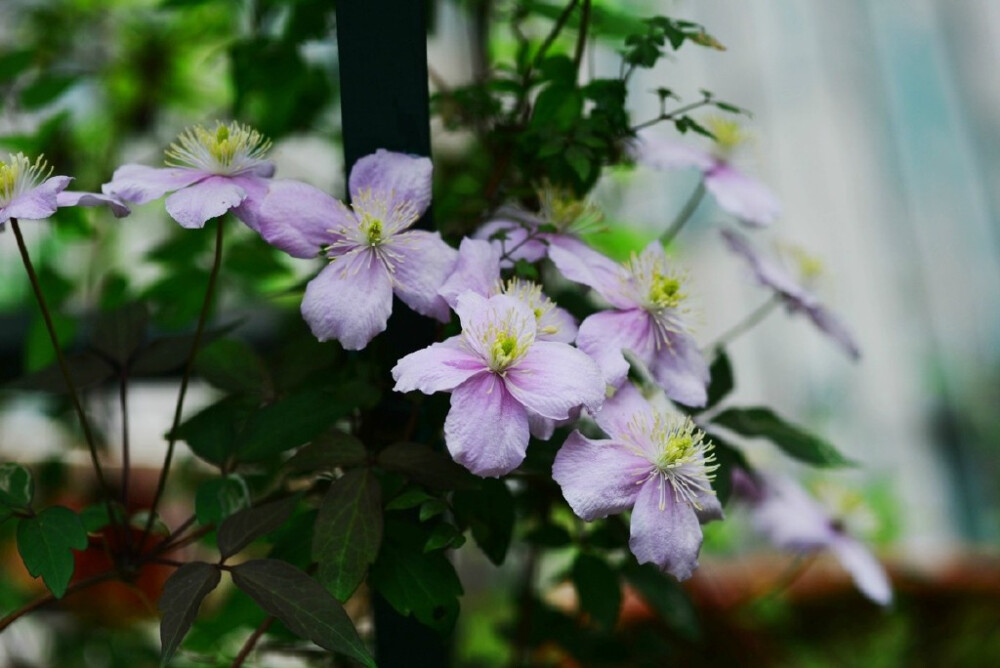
(432, 508)
(489, 512)
(288, 424)
(332, 449)
(301, 604)
(727, 457)
(86, 369)
(557, 107)
(17, 487)
(247, 525)
(410, 498)
(348, 532)
(795, 442)
(46, 543)
(13, 63)
(415, 582)
(444, 535)
(119, 333)
(95, 517)
(218, 498)
(45, 89)
(599, 590)
(421, 464)
(182, 595)
(721, 383)
(211, 433)
(233, 366)
(666, 597)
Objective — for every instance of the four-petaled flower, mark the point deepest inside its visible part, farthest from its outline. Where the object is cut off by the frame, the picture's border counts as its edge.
(747, 199)
(795, 297)
(647, 319)
(372, 251)
(28, 190)
(792, 520)
(209, 173)
(499, 373)
(656, 463)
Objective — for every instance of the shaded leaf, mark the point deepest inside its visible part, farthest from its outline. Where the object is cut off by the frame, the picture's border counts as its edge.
(721, 383)
(599, 590)
(288, 424)
(764, 423)
(219, 498)
(329, 450)
(348, 532)
(727, 457)
(301, 604)
(119, 333)
(211, 433)
(489, 512)
(666, 597)
(233, 366)
(182, 595)
(46, 543)
(86, 370)
(17, 487)
(171, 352)
(426, 466)
(247, 525)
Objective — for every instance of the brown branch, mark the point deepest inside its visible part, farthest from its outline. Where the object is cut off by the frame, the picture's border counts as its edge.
(252, 642)
(49, 598)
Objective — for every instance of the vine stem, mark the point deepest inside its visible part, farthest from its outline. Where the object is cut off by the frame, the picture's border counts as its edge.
(671, 115)
(61, 359)
(581, 37)
(252, 642)
(685, 214)
(188, 367)
(745, 325)
(49, 598)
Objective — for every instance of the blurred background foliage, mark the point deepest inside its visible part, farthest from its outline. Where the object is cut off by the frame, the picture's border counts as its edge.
(96, 83)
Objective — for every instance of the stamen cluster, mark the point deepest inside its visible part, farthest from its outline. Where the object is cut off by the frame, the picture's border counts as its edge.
(228, 150)
(19, 175)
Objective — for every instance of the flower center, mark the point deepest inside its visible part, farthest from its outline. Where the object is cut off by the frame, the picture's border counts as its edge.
(373, 229)
(810, 266)
(530, 294)
(561, 208)
(728, 134)
(228, 150)
(679, 454)
(503, 340)
(19, 175)
(665, 291)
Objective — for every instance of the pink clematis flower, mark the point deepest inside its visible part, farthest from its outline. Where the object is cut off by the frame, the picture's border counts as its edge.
(647, 319)
(655, 464)
(372, 251)
(209, 173)
(747, 199)
(29, 191)
(792, 520)
(499, 373)
(795, 297)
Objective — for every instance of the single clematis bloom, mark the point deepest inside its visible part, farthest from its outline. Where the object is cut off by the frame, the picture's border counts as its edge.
(372, 252)
(738, 194)
(796, 298)
(499, 373)
(793, 520)
(208, 172)
(647, 318)
(655, 463)
(29, 191)
(478, 270)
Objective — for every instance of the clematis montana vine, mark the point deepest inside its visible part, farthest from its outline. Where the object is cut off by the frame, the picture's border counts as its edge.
(209, 173)
(796, 298)
(792, 520)
(499, 373)
(648, 319)
(478, 270)
(372, 252)
(656, 464)
(747, 199)
(28, 190)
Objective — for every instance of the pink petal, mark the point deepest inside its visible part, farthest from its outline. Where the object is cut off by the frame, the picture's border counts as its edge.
(140, 184)
(624, 409)
(745, 198)
(193, 206)
(75, 198)
(789, 517)
(479, 314)
(598, 478)
(38, 203)
(604, 335)
(557, 325)
(580, 263)
(420, 263)
(669, 537)
(477, 268)
(300, 219)
(486, 430)
(256, 188)
(350, 300)
(441, 367)
(403, 179)
(831, 325)
(680, 369)
(661, 153)
(554, 378)
(866, 571)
